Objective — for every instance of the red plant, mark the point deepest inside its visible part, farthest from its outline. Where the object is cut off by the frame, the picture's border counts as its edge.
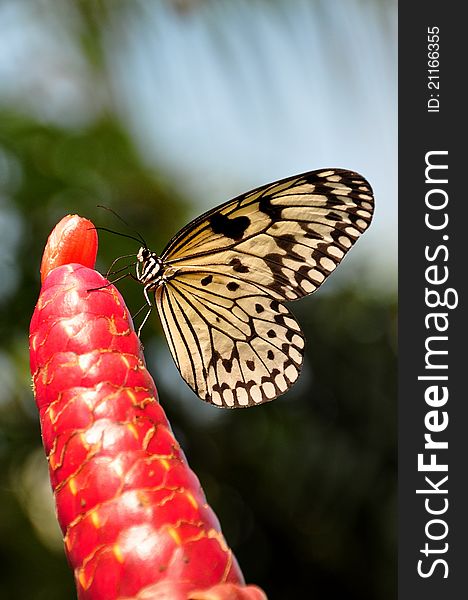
(135, 520)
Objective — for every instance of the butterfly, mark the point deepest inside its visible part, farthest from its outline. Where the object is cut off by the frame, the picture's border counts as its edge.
(221, 282)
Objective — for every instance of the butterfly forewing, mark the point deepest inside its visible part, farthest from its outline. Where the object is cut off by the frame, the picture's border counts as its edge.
(233, 341)
(286, 237)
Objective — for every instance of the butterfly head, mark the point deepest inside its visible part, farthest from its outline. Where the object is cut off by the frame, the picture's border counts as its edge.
(150, 267)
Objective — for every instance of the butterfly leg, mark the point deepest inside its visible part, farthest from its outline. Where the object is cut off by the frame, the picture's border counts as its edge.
(127, 267)
(101, 287)
(148, 301)
(144, 321)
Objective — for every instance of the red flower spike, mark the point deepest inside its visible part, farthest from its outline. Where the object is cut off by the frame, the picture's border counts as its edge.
(73, 240)
(135, 520)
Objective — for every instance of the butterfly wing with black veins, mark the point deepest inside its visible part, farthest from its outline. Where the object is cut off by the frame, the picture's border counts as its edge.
(231, 337)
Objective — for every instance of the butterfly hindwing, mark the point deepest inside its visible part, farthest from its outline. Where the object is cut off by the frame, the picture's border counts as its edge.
(234, 346)
(230, 269)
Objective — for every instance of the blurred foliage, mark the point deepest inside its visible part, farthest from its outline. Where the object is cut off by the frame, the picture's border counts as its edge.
(304, 487)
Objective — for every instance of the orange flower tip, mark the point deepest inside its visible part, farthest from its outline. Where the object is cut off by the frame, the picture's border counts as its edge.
(73, 240)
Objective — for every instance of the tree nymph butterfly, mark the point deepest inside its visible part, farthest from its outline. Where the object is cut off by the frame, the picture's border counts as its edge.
(220, 284)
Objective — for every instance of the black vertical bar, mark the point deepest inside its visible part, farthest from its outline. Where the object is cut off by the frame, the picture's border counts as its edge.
(433, 232)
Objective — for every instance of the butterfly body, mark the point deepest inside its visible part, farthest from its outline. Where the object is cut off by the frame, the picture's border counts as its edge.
(220, 284)
(149, 268)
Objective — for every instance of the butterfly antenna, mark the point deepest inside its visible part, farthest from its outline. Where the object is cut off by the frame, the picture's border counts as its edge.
(139, 237)
(131, 237)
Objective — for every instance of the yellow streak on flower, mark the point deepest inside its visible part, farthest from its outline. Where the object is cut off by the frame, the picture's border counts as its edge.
(95, 519)
(131, 427)
(85, 583)
(131, 395)
(174, 535)
(192, 500)
(73, 487)
(67, 542)
(33, 342)
(118, 553)
(165, 463)
(84, 441)
(125, 361)
(52, 461)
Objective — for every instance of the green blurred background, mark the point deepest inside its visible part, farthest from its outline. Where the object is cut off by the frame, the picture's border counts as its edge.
(162, 109)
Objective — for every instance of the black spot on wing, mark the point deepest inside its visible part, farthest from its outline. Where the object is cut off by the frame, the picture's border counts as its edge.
(265, 205)
(302, 273)
(332, 216)
(227, 364)
(232, 286)
(237, 265)
(206, 280)
(232, 228)
(309, 233)
(287, 243)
